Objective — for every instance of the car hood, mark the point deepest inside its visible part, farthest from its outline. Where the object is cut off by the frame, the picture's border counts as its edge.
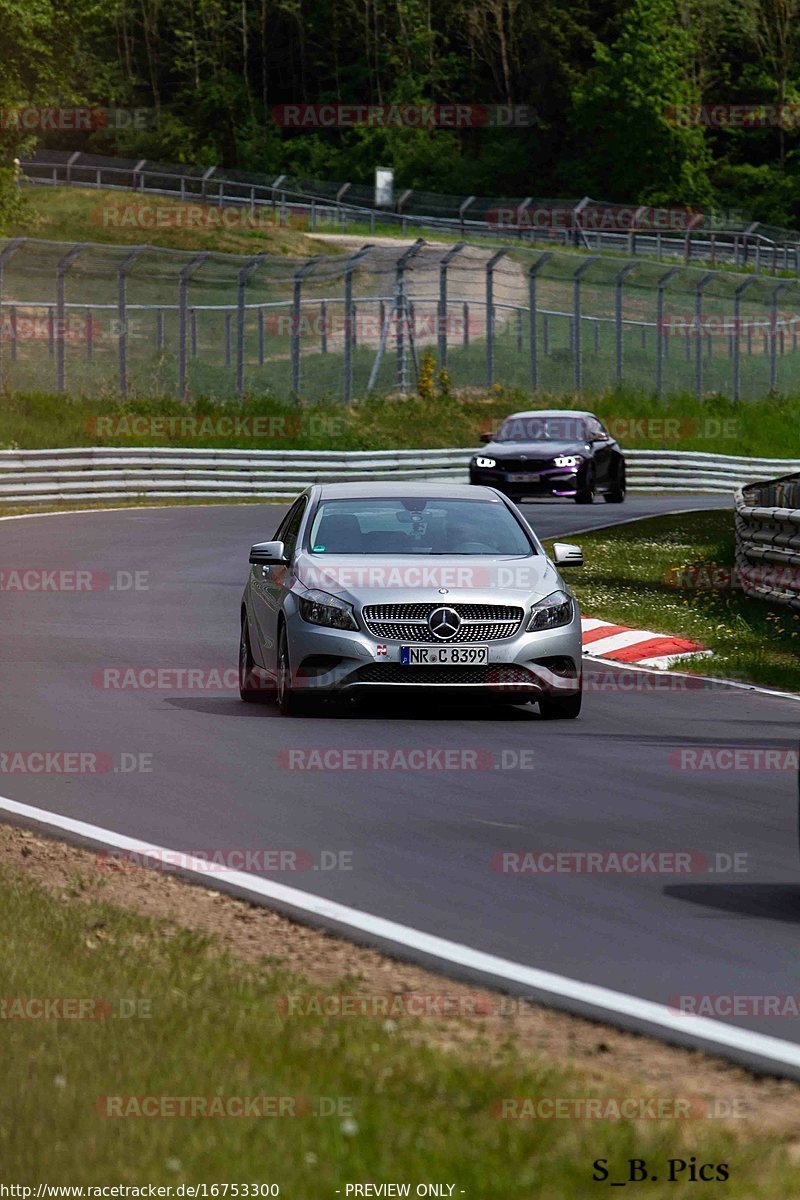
(533, 449)
(409, 579)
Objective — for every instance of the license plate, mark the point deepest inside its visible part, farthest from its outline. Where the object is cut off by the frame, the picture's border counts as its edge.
(522, 476)
(444, 656)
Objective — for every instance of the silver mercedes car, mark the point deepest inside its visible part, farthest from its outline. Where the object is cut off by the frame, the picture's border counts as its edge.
(429, 589)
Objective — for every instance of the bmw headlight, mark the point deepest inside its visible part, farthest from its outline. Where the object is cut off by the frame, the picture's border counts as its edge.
(318, 608)
(568, 460)
(481, 461)
(554, 610)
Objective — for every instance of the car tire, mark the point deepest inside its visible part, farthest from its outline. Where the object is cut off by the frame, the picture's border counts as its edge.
(560, 708)
(289, 703)
(617, 493)
(585, 494)
(251, 689)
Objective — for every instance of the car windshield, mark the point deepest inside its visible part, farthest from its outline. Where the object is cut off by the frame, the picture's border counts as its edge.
(542, 429)
(416, 525)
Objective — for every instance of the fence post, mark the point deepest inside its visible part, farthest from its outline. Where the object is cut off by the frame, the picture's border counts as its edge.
(698, 320)
(532, 274)
(122, 316)
(737, 324)
(297, 281)
(241, 314)
(490, 266)
(576, 318)
(5, 254)
(61, 271)
(442, 323)
(618, 282)
(349, 268)
(773, 345)
(660, 285)
(183, 297)
(400, 306)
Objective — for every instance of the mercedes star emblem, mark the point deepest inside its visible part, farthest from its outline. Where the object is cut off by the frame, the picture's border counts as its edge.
(444, 623)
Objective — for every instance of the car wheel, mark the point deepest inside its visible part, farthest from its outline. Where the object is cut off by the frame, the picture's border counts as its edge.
(251, 689)
(585, 494)
(617, 493)
(289, 703)
(560, 708)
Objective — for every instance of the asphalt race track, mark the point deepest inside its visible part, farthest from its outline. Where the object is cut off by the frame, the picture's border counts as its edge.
(422, 845)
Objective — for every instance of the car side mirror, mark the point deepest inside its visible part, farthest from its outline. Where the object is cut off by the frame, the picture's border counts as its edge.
(567, 555)
(268, 554)
(486, 436)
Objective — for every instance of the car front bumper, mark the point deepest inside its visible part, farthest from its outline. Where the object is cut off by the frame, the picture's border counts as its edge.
(558, 481)
(526, 665)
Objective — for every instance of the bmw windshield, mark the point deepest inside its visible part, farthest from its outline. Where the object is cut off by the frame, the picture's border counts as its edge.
(542, 429)
(416, 525)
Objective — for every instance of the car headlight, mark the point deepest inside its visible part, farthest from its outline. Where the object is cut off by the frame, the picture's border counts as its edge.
(554, 610)
(481, 461)
(568, 460)
(318, 608)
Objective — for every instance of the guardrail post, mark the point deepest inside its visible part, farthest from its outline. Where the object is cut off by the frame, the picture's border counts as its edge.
(660, 285)
(297, 282)
(737, 325)
(490, 266)
(619, 279)
(442, 321)
(241, 314)
(462, 208)
(183, 304)
(400, 308)
(61, 270)
(532, 275)
(122, 316)
(773, 346)
(698, 320)
(577, 365)
(5, 254)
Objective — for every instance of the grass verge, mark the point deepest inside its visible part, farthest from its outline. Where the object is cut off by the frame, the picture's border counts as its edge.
(128, 218)
(205, 1022)
(644, 575)
(32, 420)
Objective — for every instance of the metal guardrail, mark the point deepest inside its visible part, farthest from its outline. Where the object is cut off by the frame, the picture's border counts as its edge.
(29, 477)
(582, 224)
(767, 518)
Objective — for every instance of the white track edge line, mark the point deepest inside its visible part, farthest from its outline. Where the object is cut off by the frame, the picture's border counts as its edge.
(762, 1046)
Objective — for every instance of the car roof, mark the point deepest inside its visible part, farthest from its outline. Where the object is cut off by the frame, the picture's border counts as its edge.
(410, 487)
(550, 412)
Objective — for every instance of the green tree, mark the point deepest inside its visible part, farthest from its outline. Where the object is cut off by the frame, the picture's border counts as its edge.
(629, 146)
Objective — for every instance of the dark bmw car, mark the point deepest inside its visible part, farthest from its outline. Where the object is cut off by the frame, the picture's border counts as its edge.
(551, 453)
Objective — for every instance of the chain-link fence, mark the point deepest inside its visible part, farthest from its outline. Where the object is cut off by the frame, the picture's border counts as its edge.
(96, 319)
(686, 234)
